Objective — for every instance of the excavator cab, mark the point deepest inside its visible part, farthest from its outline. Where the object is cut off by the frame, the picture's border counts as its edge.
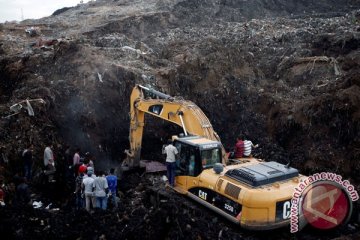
(196, 154)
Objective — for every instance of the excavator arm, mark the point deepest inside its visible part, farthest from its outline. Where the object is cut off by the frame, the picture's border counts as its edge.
(184, 113)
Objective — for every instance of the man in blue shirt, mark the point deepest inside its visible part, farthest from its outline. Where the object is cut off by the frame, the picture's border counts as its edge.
(112, 183)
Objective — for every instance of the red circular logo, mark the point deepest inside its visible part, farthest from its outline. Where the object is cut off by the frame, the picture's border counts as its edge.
(325, 205)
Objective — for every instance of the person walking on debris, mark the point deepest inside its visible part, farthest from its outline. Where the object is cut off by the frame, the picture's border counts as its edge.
(239, 147)
(248, 145)
(101, 189)
(112, 183)
(79, 194)
(87, 186)
(171, 153)
(27, 156)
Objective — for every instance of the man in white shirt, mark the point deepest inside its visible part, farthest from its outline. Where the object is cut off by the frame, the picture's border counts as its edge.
(248, 145)
(101, 188)
(171, 153)
(87, 186)
(48, 156)
(49, 163)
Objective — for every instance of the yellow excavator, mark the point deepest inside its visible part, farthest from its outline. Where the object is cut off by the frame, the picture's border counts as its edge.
(248, 191)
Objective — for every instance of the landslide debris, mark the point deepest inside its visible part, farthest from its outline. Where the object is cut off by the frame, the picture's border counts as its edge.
(141, 217)
(286, 73)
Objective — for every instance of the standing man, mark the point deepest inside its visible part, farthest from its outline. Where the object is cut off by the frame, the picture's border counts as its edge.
(93, 176)
(87, 186)
(49, 161)
(101, 189)
(68, 169)
(171, 153)
(79, 194)
(68, 158)
(50, 170)
(76, 161)
(28, 161)
(112, 183)
(88, 160)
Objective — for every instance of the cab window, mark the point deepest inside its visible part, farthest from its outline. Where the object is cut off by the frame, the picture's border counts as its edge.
(156, 109)
(186, 164)
(210, 157)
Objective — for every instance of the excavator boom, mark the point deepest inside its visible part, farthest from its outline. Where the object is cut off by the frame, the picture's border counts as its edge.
(184, 113)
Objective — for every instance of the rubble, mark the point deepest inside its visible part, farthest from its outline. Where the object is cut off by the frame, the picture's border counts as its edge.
(285, 74)
(32, 31)
(16, 108)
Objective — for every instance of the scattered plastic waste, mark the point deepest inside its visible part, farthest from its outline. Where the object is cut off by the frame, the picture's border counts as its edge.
(37, 204)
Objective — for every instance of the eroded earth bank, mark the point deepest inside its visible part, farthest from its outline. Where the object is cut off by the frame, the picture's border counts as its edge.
(285, 73)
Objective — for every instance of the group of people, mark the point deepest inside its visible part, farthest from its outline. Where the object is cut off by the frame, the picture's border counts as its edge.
(91, 191)
(94, 191)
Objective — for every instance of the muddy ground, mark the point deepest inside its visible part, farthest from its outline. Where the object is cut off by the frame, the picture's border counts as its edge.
(285, 73)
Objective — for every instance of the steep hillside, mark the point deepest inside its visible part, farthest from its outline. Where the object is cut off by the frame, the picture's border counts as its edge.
(285, 73)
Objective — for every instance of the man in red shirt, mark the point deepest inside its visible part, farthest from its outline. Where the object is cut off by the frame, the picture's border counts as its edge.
(239, 147)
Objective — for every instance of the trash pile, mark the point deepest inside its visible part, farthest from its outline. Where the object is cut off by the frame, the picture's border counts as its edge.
(284, 74)
(147, 211)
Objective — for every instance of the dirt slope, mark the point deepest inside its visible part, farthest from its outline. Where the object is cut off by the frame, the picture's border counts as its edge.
(288, 81)
(286, 73)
